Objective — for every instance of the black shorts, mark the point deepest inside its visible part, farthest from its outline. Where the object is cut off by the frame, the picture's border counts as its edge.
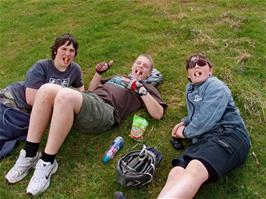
(220, 151)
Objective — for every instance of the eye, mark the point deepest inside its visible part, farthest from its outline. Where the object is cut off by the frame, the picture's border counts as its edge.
(72, 50)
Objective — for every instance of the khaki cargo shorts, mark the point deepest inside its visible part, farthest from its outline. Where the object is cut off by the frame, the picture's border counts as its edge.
(95, 115)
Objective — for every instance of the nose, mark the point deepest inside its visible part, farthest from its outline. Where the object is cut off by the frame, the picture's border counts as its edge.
(68, 52)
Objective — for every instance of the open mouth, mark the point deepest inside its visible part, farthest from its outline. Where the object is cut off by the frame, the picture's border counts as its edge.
(138, 72)
(197, 74)
(66, 60)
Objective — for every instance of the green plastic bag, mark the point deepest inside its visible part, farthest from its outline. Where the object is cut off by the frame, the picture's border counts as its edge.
(138, 127)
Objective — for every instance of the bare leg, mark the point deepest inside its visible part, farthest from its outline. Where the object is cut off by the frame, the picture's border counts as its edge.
(67, 103)
(187, 185)
(41, 111)
(173, 177)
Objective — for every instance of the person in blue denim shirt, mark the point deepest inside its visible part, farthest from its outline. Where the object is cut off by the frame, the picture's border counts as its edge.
(220, 140)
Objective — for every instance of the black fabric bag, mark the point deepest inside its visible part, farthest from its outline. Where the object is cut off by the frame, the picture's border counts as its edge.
(13, 128)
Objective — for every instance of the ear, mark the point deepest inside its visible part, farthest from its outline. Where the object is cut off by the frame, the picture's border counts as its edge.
(211, 71)
(188, 75)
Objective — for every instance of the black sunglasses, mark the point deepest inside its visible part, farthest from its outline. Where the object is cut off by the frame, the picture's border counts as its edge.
(199, 62)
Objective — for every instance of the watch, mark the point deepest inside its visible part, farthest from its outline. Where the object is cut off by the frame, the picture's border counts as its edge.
(142, 91)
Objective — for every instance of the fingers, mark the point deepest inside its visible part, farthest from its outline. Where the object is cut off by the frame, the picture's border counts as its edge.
(102, 67)
(180, 132)
(174, 130)
(180, 124)
(177, 131)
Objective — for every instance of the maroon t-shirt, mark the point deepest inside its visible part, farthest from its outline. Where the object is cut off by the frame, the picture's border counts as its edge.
(124, 101)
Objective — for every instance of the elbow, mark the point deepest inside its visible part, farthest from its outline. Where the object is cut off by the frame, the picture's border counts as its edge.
(158, 115)
(90, 88)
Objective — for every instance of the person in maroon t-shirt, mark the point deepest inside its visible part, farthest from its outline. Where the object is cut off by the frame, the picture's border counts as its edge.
(103, 106)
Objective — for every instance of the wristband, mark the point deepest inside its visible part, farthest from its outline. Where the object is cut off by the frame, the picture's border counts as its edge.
(142, 91)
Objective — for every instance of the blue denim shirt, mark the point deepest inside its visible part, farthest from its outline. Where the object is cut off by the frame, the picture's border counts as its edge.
(210, 105)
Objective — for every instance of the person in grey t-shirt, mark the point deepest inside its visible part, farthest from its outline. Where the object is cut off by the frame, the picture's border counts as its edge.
(17, 99)
(60, 69)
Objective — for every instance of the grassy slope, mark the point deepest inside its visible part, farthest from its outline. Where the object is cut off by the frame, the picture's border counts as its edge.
(231, 33)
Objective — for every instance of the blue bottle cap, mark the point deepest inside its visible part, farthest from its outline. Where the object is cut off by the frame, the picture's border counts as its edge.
(106, 159)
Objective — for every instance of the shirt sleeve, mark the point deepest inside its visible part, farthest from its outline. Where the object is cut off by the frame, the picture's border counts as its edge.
(79, 79)
(211, 110)
(36, 76)
(185, 120)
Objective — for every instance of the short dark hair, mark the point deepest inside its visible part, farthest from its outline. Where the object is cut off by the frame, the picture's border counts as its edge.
(63, 39)
(199, 56)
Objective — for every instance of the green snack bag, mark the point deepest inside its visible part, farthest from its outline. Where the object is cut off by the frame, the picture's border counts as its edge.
(138, 127)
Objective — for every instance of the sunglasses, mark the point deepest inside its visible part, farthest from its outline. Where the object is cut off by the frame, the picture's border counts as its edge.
(199, 62)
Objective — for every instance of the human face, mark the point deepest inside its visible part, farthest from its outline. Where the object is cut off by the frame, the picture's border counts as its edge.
(141, 68)
(64, 56)
(200, 72)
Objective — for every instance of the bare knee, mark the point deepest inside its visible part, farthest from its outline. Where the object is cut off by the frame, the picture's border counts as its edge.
(47, 93)
(196, 169)
(69, 98)
(175, 173)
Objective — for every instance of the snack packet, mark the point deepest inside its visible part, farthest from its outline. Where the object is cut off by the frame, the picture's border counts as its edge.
(138, 127)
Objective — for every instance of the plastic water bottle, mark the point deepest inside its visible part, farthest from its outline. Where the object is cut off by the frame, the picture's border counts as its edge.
(112, 150)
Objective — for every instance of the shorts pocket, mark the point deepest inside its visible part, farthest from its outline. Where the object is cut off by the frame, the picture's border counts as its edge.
(226, 146)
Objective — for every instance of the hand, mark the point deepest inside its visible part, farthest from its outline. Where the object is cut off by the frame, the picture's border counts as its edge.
(177, 131)
(103, 67)
(134, 85)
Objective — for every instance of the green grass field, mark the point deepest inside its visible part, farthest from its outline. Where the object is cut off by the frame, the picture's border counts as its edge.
(231, 33)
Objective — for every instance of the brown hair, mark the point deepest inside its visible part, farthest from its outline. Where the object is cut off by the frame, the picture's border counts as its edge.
(199, 56)
(67, 39)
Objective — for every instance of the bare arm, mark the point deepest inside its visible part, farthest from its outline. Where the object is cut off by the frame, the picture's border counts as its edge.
(30, 95)
(155, 109)
(100, 68)
(95, 82)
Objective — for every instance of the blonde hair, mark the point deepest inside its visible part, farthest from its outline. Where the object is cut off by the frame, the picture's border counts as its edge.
(149, 57)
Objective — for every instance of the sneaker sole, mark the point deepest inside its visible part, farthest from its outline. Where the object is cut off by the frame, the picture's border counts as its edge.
(24, 174)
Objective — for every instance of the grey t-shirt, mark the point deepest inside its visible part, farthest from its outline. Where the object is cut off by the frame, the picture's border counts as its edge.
(124, 101)
(44, 71)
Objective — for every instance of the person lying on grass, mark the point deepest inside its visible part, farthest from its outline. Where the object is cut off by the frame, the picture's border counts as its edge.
(220, 141)
(101, 108)
(16, 99)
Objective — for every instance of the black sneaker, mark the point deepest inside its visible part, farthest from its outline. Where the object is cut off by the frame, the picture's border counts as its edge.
(177, 144)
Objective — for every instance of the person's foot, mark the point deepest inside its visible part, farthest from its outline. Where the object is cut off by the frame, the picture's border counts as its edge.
(21, 167)
(40, 180)
(119, 195)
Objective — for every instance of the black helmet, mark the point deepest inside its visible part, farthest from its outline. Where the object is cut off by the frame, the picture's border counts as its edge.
(137, 167)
